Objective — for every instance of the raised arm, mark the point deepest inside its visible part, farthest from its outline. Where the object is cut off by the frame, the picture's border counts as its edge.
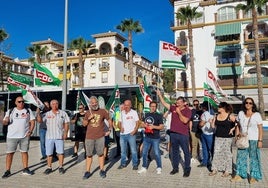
(165, 104)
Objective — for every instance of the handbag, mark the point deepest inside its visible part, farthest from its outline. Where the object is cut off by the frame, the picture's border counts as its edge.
(242, 141)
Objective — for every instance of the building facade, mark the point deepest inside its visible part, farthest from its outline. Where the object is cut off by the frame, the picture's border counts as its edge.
(223, 43)
(104, 64)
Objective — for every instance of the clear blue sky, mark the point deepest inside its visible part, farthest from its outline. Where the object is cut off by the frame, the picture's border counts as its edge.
(30, 20)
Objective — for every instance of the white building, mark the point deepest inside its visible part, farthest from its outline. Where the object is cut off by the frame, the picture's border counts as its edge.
(223, 43)
(105, 63)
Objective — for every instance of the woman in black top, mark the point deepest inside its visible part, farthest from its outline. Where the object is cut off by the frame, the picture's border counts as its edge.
(224, 122)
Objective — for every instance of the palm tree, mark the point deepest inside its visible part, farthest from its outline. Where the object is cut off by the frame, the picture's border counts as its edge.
(81, 45)
(3, 71)
(38, 53)
(186, 15)
(130, 26)
(256, 7)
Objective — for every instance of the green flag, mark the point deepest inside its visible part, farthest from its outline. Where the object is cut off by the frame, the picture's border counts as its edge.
(80, 100)
(17, 81)
(210, 96)
(43, 76)
(114, 100)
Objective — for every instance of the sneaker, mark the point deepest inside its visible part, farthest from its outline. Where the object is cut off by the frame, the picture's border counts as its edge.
(26, 171)
(186, 174)
(135, 168)
(43, 158)
(174, 171)
(158, 170)
(102, 174)
(236, 179)
(86, 175)
(121, 167)
(61, 170)
(142, 170)
(74, 155)
(48, 171)
(201, 165)
(6, 174)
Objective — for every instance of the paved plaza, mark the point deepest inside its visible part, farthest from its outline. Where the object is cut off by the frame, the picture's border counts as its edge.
(115, 178)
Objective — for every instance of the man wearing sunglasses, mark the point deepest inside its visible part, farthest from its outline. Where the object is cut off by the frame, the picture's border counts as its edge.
(20, 122)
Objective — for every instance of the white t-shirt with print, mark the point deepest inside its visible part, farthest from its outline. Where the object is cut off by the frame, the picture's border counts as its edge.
(252, 123)
(19, 126)
(207, 129)
(128, 121)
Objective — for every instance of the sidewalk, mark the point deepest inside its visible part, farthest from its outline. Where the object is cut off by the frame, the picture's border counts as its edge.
(115, 178)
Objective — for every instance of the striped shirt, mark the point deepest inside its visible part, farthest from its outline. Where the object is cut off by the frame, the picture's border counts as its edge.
(55, 124)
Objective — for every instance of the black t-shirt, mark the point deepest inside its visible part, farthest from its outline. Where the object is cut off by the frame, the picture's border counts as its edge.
(223, 128)
(155, 119)
(196, 115)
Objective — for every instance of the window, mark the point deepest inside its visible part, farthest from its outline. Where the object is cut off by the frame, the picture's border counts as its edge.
(226, 13)
(125, 77)
(92, 62)
(92, 75)
(104, 77)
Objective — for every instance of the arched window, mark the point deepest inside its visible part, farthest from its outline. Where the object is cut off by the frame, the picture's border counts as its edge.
(105, 48)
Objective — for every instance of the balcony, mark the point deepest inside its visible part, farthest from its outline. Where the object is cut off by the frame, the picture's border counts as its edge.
(104, 67)
(241, 82)
(207, 3)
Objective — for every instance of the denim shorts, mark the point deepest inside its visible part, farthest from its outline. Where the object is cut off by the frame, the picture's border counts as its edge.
(98, 144)
(12, 144)
(51, 143)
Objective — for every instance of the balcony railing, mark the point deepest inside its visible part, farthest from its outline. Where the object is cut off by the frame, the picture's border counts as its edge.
(104, 67)
(242, 82)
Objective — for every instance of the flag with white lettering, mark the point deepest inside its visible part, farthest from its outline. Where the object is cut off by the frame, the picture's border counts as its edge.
(17, 81)
(43, 76)
(213, 83)
(170, 56)
(210, 96)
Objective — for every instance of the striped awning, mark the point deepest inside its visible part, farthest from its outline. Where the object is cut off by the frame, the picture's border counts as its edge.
(68, 76)
(60, 63)
(228, 29)
(224, 71)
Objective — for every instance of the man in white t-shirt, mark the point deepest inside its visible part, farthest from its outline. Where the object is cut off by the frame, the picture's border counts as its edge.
(128, 124)
(20, 122)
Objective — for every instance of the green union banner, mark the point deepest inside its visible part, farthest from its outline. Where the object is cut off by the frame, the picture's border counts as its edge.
(17, 82)
(43, 76)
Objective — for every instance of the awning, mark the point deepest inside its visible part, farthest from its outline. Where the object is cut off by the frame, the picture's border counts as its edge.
(227, 48)
(60, 63)
(68, 76)
(228, 29)
(236, 70)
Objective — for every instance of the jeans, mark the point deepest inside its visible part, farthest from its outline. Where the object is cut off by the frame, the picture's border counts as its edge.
(147, 143)
(42, 135)
(207, 148)
(131, 140)
(179, 140)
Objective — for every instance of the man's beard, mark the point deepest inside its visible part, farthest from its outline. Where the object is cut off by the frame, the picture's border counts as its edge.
(95, 107)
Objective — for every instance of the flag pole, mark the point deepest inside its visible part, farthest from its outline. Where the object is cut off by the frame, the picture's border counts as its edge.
(64, 83)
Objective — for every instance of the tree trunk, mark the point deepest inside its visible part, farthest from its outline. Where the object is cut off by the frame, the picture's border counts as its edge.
(258, 63)
(81, 70)
(130, 57)
(191, 51)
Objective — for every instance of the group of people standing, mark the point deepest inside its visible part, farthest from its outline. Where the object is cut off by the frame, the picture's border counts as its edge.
(187, 127)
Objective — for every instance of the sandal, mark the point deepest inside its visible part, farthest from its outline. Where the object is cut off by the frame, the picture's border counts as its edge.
(225, 174)
(213, 173)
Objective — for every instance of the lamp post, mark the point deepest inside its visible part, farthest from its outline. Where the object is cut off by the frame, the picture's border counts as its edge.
(64, 83)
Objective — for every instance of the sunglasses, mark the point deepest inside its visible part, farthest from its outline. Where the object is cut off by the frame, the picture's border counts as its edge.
(196, 104)
(249, 103)
(20, 101)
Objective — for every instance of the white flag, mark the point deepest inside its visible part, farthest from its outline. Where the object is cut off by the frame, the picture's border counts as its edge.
(170, 56)
(212, 82)
(86, 99)
(30, 98)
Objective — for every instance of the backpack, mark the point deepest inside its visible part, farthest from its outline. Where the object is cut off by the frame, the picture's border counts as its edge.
(11, 110)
